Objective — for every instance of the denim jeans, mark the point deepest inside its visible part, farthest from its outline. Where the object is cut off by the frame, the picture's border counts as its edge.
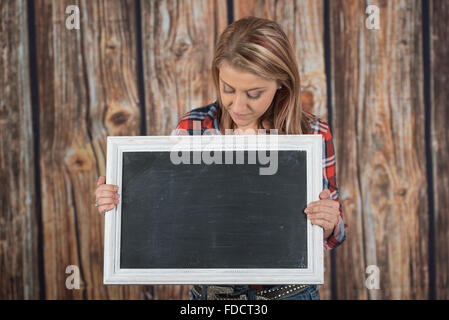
(309, 293)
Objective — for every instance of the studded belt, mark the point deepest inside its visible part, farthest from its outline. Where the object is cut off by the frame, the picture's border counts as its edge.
(229, 293)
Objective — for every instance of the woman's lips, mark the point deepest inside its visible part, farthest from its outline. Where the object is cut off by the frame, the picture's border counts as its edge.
(238, 115)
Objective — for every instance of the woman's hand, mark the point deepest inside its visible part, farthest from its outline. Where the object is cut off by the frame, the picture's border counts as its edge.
(106, 195)
(324, 212)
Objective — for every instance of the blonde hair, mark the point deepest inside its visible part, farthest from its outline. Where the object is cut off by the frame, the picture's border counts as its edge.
(259, 46)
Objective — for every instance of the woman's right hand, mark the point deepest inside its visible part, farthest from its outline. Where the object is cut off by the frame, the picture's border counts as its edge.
(106, 195)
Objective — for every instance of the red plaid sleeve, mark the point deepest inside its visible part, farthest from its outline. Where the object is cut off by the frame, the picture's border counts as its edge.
(330, 182)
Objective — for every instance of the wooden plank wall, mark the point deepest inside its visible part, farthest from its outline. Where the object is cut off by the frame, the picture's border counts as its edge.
(135, 66)
(439, 149)
(19, 277)
(379, 121)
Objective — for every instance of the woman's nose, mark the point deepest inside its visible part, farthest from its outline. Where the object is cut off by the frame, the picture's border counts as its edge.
(239, 104)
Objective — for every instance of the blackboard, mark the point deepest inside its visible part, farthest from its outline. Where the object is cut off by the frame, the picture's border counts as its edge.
(205, 220)
(213, 215)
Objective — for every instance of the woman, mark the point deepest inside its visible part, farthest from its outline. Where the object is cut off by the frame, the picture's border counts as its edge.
(258, 87)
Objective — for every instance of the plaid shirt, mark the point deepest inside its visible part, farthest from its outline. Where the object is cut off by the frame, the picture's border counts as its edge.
(196, 121)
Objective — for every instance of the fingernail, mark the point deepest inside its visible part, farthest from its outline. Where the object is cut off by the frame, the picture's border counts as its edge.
(306, 210)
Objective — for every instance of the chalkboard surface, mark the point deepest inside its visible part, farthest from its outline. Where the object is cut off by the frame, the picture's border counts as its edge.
(213, 216)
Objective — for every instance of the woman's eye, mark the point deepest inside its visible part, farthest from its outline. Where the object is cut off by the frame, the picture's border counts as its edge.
(249, 96)
(256, 97)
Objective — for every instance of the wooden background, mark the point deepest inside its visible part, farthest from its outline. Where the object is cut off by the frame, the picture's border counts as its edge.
(135, 67)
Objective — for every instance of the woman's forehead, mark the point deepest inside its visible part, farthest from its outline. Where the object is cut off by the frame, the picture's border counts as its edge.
(241, 79)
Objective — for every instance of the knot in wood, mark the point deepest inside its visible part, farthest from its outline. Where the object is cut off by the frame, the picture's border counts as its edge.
(120, 117)
(402, 192)
(180, 49)
(79, 160)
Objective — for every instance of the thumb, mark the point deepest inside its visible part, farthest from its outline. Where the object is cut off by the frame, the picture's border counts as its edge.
(325, 194)
(101, 180)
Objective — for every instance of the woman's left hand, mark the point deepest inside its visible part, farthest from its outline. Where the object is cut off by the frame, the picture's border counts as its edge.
(324, 212)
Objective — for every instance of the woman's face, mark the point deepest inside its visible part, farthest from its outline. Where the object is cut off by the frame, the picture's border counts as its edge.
(245, 96)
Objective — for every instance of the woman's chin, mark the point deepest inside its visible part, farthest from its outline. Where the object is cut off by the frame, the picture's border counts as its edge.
(241, 122)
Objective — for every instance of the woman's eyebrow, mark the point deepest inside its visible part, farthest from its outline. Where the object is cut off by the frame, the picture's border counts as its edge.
(246, 90)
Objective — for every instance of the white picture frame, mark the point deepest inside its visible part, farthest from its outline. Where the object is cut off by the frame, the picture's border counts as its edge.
(114, 274)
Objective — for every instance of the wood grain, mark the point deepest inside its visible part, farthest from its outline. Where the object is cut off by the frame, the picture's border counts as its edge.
(87, 91)
(439, 113)
(302, 21)
(377, 85)
(19, 265)
(178, 40)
